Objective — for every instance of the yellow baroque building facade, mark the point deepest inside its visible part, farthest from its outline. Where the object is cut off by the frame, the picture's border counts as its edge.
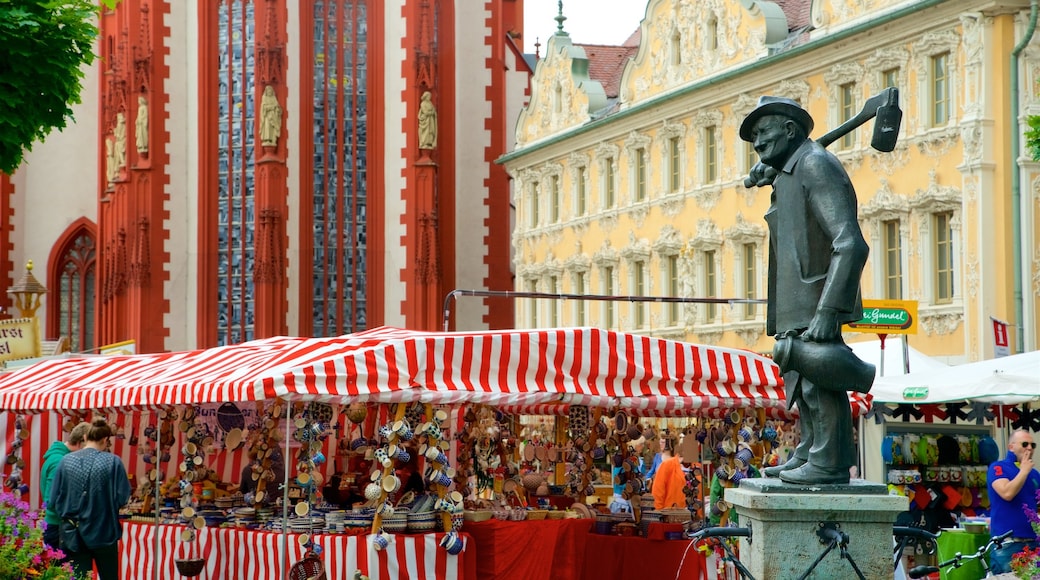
(639, 190)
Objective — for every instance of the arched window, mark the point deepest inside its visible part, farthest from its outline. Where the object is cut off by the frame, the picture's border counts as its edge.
(71, 304)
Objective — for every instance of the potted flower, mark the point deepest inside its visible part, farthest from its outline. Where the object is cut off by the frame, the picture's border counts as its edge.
(1026, 564)
(22, 551)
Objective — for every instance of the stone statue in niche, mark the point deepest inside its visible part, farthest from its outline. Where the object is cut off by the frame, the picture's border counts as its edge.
(119, 134)
(270, 118)
(427, 122)
(110, 160)
(141, 126)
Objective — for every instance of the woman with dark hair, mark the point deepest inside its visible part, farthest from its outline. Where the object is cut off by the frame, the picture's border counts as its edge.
(89, 487)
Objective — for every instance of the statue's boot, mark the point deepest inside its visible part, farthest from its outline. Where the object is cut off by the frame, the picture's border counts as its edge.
(811, 474)
(775, 471)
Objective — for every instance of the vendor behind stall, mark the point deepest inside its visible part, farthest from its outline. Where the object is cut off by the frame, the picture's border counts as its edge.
(670, 483)
(247, 484)
(718, 493)
(618, 503)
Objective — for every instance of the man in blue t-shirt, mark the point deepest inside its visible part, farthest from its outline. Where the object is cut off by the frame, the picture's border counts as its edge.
(1013, 483)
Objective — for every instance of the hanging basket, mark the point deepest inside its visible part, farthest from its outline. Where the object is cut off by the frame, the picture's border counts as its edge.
(309, 568)
(190, 568)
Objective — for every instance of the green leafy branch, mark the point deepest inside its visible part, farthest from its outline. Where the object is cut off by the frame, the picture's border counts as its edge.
(44, 47)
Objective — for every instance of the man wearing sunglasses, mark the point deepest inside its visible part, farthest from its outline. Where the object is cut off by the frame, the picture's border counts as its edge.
(1013, 483)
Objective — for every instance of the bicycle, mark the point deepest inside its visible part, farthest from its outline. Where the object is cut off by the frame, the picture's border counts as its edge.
(960, 559)
(828, 534)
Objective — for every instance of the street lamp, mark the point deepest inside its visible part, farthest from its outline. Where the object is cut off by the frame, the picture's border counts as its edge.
(27, 293)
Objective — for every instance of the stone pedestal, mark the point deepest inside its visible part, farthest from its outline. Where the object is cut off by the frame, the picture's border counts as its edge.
(784, 520)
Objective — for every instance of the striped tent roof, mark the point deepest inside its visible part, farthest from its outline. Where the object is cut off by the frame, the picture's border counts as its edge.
(572, 365)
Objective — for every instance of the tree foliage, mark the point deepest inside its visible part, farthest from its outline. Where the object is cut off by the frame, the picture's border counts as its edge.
(1033, 136)
(44, 47)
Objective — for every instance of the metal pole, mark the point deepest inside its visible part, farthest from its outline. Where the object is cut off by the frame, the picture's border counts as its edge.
(455, 294)
(285, 491)
(158, 496)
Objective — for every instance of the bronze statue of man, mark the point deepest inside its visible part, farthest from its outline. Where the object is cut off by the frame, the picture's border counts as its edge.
(816, 257)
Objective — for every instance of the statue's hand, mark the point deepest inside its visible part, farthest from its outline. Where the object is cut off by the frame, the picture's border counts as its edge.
(760, 176)
(824, 326)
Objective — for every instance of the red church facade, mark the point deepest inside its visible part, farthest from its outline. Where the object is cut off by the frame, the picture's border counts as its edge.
(248, 168)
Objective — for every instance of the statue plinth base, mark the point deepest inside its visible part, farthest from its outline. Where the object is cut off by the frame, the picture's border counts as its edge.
(784, 520)
(269, 154)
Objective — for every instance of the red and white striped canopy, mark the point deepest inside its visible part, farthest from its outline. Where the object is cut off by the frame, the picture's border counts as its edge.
(570, 365)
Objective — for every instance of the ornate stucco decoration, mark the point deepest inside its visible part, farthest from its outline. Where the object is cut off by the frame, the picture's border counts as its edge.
(687, 41)
(931, 45)
(578, 261)
(669, 242)
(793, 89)
(944, 318)
(973, 25)
(745, 232)
(606, 256)
(709, 236)
(883, 60)
(636, 249)
(551, 266)
(563, 95)
(886, 206)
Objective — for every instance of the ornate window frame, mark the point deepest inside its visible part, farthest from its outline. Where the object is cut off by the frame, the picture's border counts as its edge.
(607, 152)
(839, 76)
(738, 236)
(672, 130)
(607, 259)
(700, 123)
(637, 251)
(633, 144)
(945, 317)
(552, 184)
(884, 207)
(669, 245)
(886, 59)
(932, 45)
(552, 270)
(708, 239)
(578, 266)
(578, 168)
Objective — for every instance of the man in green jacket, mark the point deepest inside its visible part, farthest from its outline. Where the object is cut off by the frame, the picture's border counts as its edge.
(59, 449)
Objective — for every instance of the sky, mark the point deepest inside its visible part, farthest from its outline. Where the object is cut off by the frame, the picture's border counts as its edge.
(588, 21)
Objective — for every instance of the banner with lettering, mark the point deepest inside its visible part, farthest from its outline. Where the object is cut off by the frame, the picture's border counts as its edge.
(887, 317)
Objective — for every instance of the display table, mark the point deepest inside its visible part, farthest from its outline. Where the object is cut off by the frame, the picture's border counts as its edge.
(233, 553)
(951, 542)
(568, 550)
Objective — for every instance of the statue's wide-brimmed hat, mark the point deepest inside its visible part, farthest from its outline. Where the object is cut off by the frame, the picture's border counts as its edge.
(775, 106)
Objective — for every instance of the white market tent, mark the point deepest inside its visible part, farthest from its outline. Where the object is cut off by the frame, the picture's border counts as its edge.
(1008, 380)
(894, 361)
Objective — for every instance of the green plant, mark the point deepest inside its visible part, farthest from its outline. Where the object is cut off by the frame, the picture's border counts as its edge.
(1026, 564)
(44, 47)
(1033, 136)
(23, 554)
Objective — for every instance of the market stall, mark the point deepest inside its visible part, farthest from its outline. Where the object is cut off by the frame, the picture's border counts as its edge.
(286, 376)
(939, 427)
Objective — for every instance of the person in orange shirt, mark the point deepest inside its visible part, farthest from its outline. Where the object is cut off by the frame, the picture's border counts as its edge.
(669, 482)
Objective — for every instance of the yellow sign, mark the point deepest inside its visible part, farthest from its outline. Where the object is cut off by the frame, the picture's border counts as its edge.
(125, 347)
(18, 339)
(887, 317)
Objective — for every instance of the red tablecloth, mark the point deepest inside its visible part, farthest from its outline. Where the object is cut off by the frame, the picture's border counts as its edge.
(233, 553)
(567, 550)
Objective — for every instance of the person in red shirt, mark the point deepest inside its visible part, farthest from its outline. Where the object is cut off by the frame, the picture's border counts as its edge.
(670, 482)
